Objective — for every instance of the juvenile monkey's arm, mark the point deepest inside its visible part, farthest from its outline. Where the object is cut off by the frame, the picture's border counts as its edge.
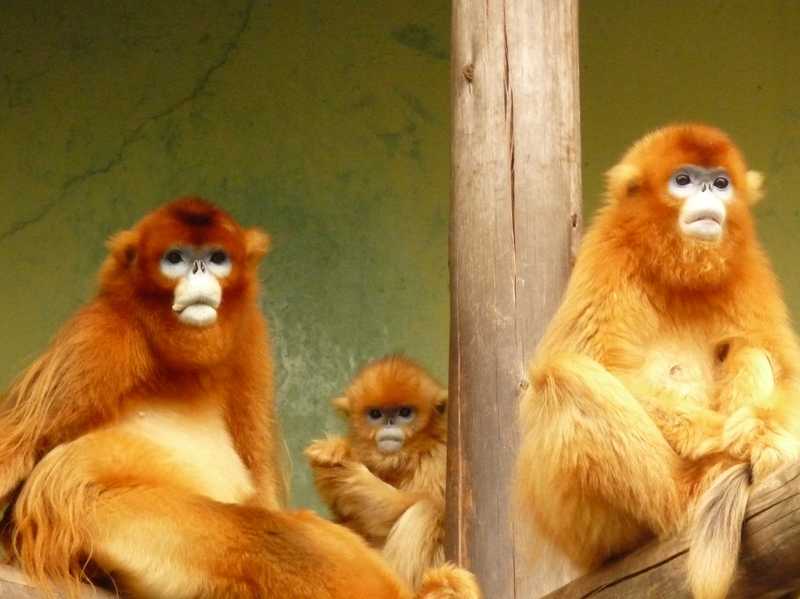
(353, 493)
(73, 387)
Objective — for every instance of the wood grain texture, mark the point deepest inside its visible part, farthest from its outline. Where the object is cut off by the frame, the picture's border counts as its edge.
(515, 216)
(769, 565)
(14, 585)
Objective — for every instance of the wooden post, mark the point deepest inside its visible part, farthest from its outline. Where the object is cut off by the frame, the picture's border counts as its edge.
(515, 215)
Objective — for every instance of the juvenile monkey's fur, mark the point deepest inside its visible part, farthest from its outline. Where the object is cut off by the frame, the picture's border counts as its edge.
(395, 501)
(669, 370)
(145, 448)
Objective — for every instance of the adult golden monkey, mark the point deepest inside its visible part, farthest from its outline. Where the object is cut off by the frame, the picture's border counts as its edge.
(140, 445)
(670, 368)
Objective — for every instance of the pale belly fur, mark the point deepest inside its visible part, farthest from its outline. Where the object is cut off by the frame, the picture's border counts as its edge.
(684, 366)
(199, 446)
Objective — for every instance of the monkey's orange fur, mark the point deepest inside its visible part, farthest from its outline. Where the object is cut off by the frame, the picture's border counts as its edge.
(669, 360)
(149, 447)
(395, 501)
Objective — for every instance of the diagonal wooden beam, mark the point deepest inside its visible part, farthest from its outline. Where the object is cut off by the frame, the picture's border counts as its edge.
(769, 565)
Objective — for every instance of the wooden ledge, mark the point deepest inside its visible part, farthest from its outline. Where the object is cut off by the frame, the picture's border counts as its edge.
(769, 563)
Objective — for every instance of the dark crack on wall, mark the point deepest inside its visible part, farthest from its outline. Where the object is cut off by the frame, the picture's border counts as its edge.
(136, 133)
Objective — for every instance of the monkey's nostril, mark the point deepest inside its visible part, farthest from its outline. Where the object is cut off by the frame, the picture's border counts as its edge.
(194, 269)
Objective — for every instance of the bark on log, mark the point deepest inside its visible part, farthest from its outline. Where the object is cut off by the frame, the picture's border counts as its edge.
(515, 216)
(14, 585)
(769, 564)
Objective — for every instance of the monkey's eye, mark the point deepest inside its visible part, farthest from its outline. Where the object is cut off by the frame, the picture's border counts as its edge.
(683, 179)
(375, 414)
(174, 263)
(405, 414)
(219, 257)
(219, 263)
(721, 183)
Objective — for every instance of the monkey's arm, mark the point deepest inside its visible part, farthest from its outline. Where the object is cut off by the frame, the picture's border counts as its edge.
(692, 430)
(353, 493)
(75, 386)
(251, 417)
(761, 425)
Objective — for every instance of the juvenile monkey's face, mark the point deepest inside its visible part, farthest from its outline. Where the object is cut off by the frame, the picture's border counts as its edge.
(392, 426)
(703, 195)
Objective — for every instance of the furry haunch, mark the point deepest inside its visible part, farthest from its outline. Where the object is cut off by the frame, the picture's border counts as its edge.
(385, 479)
(668, 376)
(141, 446)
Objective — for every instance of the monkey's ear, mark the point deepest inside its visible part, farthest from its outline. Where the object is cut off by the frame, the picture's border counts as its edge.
(256, 244)
(624, 181)
(440, 403)
(342, 404)
(122, 246)
(755, 187)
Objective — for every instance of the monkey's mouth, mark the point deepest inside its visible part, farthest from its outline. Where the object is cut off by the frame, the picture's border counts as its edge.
(390, 443)
(705, 225)
(197, 311)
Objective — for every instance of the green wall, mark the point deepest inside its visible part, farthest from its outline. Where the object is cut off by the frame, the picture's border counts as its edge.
(732, 63)
(326, 123)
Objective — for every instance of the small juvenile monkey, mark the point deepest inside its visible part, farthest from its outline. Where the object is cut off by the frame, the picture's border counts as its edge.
(385, 479)
(666, 383)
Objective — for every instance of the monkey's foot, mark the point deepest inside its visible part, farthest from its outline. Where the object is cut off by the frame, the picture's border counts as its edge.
(449, 582)
(767, 447)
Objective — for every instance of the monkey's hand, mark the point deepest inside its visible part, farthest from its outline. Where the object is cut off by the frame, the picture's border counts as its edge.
(332, 451)
(692, 431)
(766, 445)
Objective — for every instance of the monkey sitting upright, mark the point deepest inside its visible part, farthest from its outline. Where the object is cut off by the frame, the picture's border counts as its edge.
(385, 479)
(670, 371)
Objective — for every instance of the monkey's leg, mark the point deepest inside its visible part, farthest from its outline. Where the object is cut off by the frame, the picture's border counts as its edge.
(115, 502)
(594, 469)
(415, 542)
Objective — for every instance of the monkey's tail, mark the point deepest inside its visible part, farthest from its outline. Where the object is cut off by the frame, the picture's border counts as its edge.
(716, 533)
(448, 582)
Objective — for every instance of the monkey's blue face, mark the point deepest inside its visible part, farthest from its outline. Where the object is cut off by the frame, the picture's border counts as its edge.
(703, 195)
(393, 426)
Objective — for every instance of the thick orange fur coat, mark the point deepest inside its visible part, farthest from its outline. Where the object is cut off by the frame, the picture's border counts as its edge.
(395, 501)
(143, 449)
(669, 361)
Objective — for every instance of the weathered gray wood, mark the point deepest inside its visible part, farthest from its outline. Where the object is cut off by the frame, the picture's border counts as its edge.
(515, 215)
(769, 566)
(14, 585)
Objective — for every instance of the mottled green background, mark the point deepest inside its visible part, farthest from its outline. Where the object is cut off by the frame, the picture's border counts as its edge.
(327, 123)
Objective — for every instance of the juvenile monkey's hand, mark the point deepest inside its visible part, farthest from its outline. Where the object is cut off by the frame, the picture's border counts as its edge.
(766, 446)
(332, 451)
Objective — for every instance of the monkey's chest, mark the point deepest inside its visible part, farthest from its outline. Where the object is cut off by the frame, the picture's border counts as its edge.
(679, 367)
(200, 449)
